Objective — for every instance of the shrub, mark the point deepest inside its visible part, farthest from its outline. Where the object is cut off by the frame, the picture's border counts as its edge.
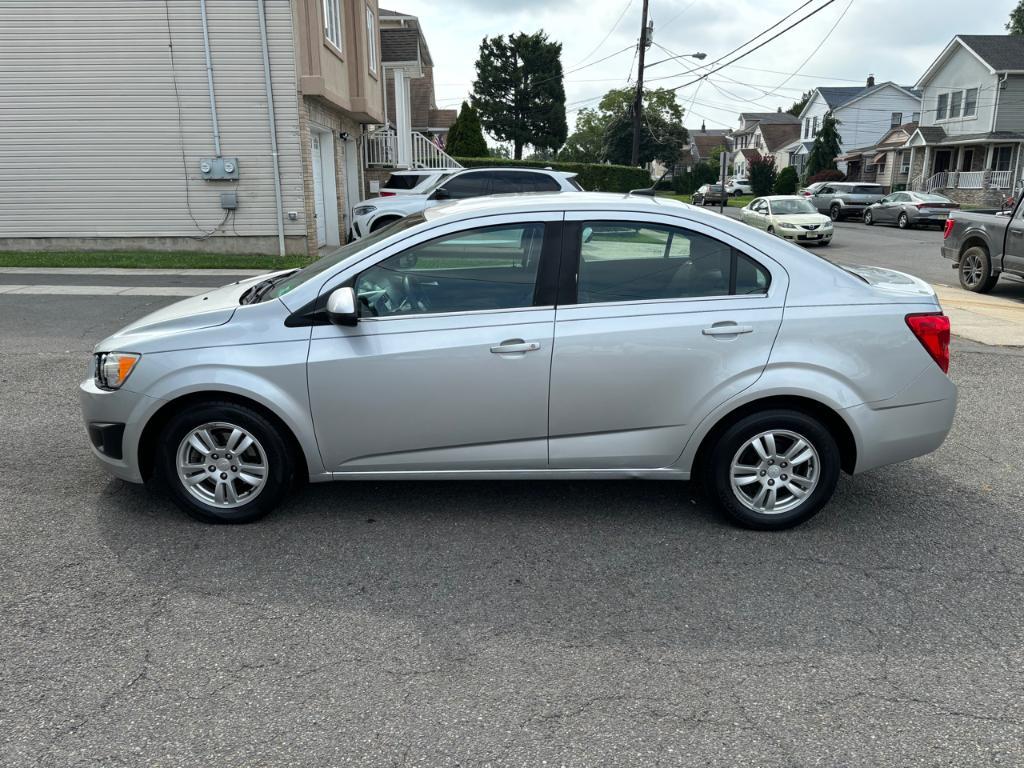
(761, 173)
(829, 174)
(593, 177)
(787, 181)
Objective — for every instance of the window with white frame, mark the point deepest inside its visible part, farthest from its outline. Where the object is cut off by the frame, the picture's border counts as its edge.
(371, 39)
(970, 102)
(942, 107)
(807, 127)
(916, 118)
(896, 120)
(814, 126)
(903, 158)
(332, 22)
(956, 100)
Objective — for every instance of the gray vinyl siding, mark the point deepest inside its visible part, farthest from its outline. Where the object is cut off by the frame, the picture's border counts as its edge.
(1010, 112)
(91, 136)
(961, 71)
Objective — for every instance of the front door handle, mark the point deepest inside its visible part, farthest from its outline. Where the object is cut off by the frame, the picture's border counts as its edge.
(727, 329)
(1017, 232)
(515, 346)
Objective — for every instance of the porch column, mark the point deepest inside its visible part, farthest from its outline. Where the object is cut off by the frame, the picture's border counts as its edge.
(403, 121)
(926, 166)
(988, 157)
(910, 173)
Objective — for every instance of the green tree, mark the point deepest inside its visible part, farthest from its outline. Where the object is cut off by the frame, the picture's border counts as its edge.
(466, 137)
(600, 131)
(761, 172)
(518, 91)
(799, 104)
(1015, 26)
(826, 146)
(787, 181)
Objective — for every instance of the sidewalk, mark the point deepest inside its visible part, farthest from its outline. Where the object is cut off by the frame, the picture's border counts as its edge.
(986, 319)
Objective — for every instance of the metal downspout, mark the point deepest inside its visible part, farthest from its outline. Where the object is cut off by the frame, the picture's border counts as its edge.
(209, 78)
(272, 125)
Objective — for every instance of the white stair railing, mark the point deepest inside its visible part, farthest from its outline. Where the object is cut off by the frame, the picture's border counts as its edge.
(426, 154)
(381, 148)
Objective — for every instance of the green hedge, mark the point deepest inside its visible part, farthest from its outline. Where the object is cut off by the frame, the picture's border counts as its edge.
(593, 177)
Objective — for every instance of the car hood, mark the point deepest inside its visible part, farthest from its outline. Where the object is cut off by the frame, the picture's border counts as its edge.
(890, 281)
(195, 313)
(802, 218)
(395, 202)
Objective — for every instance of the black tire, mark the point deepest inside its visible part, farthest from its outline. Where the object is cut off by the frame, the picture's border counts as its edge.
(835, 213)
(280, 464)
(720, 458)
(737, 193)
(382, 222)
(825, 243)
(975, 270)
(868, 218)
(903, 221)
(771, 230)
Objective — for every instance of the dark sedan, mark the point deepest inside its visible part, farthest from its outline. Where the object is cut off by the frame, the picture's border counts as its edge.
(910, 209)
(710, 194)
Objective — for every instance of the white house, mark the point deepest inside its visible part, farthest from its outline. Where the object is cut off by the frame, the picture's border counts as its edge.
(970, 137)
(865, 113)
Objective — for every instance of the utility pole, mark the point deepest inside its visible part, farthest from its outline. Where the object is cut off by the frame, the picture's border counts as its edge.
(723, 162)
(638, 100)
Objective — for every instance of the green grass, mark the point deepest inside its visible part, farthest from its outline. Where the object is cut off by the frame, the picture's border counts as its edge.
(148, 259)
(734, 202)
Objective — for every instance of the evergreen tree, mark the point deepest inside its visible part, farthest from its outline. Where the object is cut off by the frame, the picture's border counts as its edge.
(787, 181)
(466, 137)
(1015, 26)
(761, 173)
(798, 106)
(518, 91)
(826, 146)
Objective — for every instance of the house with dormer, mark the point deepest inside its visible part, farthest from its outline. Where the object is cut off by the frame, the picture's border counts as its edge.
(865, 114)
(969, 141)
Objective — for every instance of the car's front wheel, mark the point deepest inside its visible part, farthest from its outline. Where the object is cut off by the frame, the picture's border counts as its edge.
(223, 462)
(773, 470)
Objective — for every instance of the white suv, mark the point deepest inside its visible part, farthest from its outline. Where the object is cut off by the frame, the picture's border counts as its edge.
(377, 212)
(738, 187)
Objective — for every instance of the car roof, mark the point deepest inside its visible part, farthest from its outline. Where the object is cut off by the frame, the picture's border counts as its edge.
(534, 202)
(549, 171)
(782, 197)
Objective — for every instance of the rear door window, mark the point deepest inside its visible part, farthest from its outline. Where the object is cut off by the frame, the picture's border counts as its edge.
(469, 185)
(628, 261)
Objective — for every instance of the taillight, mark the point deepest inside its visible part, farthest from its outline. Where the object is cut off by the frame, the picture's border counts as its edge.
(932, 330)
(949, 228)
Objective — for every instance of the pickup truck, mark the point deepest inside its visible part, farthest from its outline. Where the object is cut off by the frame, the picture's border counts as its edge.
(983, 245)
(841, 199)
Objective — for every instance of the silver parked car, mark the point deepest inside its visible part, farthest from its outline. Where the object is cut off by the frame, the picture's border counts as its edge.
(568, 335)
(842, 199)
(910, 209)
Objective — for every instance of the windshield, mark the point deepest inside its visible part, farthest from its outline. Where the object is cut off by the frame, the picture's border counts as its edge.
(785, 207)
(295, 279)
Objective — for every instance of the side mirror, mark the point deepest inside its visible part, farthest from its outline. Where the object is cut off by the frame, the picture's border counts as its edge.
(341, 307)
(441, 194)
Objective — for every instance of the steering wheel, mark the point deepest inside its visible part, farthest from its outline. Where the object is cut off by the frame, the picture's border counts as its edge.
(413, 295)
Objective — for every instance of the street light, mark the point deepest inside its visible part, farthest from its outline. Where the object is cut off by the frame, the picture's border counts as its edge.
(700, 56)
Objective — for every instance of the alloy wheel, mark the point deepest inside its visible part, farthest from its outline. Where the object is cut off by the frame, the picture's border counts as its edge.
(222, 465)
(972, 271)
(774, 472)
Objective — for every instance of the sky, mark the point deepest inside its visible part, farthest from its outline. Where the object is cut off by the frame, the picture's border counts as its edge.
(840, 45)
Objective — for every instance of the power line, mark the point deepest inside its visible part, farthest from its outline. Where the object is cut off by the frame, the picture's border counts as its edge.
(610, 32)
(817, 10)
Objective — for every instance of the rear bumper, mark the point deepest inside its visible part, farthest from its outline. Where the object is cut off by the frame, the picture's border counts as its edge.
(891, 435)
(953, 254)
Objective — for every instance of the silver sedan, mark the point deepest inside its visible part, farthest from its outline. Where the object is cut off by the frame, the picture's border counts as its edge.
(532, 337)
(910, 209)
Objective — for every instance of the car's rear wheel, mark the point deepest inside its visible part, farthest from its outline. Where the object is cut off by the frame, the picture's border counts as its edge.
(835, 213)
(773, 470)
(868, 219)
(975, 270)
(224, 463)
(903, 222)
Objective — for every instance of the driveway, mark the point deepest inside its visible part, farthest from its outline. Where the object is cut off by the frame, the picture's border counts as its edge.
(501, 624)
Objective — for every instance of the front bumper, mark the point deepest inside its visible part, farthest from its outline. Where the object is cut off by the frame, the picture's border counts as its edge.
(803, 236)
(114, 422)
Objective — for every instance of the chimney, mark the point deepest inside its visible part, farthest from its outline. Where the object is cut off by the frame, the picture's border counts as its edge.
(871, 80)
(702, 128)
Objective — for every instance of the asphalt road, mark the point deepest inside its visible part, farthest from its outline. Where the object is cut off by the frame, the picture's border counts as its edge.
(502, 624)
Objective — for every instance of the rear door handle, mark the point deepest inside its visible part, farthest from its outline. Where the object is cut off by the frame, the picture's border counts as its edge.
(727, 329)
(514, 346)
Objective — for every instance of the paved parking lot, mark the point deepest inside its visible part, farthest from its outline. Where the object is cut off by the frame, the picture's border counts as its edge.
(506, 624)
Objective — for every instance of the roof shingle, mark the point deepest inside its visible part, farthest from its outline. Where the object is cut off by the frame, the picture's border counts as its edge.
(1001, 52)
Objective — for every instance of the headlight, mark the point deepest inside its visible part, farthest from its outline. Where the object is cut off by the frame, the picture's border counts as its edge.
(362, 210)
(788, 225)
(827, 224)
(114, 368)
